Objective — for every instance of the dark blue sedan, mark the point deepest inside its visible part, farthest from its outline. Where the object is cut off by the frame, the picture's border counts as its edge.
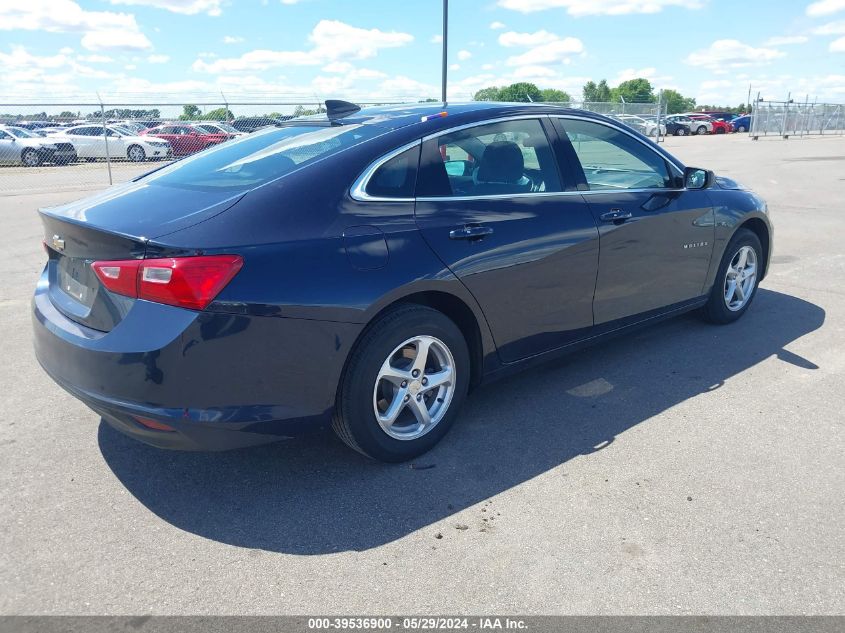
(370, 267)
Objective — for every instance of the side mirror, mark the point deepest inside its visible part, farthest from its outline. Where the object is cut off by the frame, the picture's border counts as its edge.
(697, 178)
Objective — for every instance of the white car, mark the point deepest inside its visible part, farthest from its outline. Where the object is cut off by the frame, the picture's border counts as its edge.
(214, 127)
(642, 125)
(122, 143)
(698, 126)
(21, 147)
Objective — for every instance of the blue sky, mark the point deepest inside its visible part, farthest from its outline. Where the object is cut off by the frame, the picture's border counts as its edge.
(387, 49)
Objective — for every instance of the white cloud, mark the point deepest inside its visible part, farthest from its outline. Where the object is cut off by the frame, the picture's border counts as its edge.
(487, 67)
(724, 54)
(289, 2)
(512, 38)
(837, 46)
(543, 48)
(30, 74)
(185, 7)
(331, 40)
(599, 7)
(557, 51)
(497, 25)
(649, 73)
(464, 55)
(158, 59)
(831, 28)
(454, 66)
(232, 39)
(533, 72)
(338, 67)
(95, 59)
(436, 39)
(102, 30)
(115, 41)
(825, 7)
(783, 40)
(256, 60)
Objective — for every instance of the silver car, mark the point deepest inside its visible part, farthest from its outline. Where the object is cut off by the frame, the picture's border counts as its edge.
(22, 147)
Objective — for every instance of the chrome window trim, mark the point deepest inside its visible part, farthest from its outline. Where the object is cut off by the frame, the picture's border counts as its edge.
(516, 117)
(358, 191)
(542, 194)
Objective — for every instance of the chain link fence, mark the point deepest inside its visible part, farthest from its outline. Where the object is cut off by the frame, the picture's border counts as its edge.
(84, 146)
(786, 118)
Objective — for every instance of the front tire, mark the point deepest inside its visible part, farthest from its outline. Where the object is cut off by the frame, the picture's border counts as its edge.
(741, 129)
(136, 154)
(31, 158)
(701, 130)
(404, 384)
(680, 132)
(736, 281)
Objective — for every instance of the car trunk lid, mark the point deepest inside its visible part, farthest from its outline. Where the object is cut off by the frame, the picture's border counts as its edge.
(114, 225)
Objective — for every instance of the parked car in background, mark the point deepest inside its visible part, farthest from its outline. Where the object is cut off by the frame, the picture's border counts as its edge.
(361, 270)
(217, 127)
(133, 126)
(700, 123)
(250, 124)
(19, 146)
(643, 125)
(719, 114)
(186, 139)
(90, 143)
(742, 123)
(678, 125)
(33, 125)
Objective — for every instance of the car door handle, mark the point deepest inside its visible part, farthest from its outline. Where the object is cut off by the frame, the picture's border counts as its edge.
(470, 233)
(616, 215)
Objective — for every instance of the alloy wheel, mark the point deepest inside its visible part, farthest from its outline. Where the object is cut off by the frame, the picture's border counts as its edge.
(414, 387)
(740, 278)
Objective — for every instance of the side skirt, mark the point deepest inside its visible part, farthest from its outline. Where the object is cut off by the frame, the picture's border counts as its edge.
(597, 334)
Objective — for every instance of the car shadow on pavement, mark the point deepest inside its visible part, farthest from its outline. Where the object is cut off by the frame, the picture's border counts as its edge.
(312, 495)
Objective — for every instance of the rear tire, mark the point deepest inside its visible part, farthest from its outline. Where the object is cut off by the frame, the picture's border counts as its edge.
(680, 132)
(702, 129)
(379, 382)
(741, 129)
(735, 285)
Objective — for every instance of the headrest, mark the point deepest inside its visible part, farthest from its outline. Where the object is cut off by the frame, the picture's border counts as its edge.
(501, 162)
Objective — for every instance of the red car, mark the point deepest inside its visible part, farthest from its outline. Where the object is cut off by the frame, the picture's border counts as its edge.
(186, 139)
(719, 126)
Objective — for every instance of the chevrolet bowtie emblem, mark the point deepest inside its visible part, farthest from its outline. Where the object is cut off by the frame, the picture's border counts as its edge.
(58, 243)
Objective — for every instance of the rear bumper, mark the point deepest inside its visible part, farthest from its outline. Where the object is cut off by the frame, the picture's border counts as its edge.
(219, 380)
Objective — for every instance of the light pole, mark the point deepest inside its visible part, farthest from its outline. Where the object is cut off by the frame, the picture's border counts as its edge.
(445, 48)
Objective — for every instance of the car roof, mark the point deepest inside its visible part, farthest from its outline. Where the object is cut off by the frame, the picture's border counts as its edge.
(394, 117)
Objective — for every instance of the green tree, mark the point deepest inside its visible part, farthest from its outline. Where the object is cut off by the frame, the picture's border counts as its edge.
(218, 114)
(190, 112)
(521, 92)
(596, 93)
(553, 95)
(676, 102)
(487, 94)
(637, 90)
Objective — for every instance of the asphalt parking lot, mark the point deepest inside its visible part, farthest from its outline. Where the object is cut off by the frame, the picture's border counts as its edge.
(687, 469)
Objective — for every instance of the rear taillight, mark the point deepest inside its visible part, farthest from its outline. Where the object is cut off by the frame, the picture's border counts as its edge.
(186, 282)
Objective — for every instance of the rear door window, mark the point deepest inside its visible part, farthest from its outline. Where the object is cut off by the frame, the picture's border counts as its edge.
(502, 158)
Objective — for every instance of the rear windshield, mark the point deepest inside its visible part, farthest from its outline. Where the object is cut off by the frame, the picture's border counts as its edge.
(261, 156)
